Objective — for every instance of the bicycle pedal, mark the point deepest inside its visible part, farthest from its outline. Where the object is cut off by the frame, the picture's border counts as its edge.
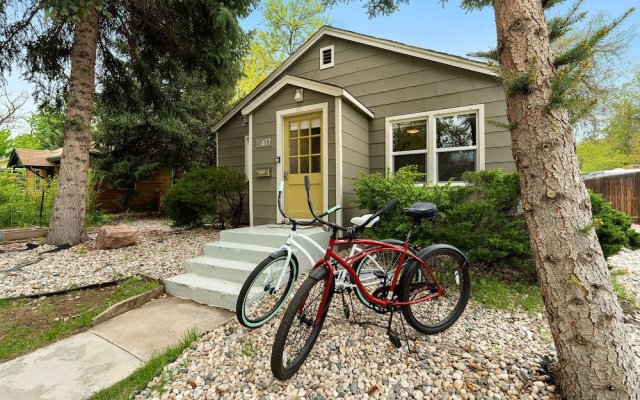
(394, 338)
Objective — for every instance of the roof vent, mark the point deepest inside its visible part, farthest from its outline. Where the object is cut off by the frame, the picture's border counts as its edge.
(326, 57)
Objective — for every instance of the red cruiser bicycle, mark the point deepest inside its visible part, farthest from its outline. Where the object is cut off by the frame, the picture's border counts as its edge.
(431, 288)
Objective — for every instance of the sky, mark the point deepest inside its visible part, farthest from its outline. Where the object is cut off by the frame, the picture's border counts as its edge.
(426, 23)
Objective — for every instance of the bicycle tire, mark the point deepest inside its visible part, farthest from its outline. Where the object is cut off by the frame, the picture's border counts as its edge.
(390, 269)
(305, 303)
(244, 313)
(456, 281)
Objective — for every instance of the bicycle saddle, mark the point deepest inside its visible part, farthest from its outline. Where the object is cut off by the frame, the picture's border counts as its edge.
(357, 221)
(421, 210)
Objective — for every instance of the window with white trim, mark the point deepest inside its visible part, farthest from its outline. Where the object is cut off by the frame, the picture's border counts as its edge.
(442, 144)
(327, 57)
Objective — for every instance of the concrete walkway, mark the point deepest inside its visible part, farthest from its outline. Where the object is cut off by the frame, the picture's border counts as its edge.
(75, 367)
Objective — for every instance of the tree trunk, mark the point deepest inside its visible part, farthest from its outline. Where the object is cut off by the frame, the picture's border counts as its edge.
(596, 360)
(69, 207)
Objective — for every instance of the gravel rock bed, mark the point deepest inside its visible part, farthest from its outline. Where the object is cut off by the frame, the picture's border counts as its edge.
(161, 251)
(486, 354)
(628, 260)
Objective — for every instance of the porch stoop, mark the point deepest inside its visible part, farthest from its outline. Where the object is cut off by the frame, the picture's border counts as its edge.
(217, 277)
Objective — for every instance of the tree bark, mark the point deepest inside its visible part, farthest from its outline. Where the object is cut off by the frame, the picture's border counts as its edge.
(596, 360)
(68, 217)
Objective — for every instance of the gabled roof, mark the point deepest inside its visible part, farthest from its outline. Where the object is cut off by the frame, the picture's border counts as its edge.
(316, 86)
(34, 158)
(385, 44)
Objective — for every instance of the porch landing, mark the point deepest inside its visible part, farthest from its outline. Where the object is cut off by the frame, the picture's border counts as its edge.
(217, 277)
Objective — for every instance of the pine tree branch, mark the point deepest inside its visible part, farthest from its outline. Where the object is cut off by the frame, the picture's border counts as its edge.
(585, 49)
(561, 25)
(489, 54)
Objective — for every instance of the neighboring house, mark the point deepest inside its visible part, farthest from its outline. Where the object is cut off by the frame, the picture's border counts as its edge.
(147, 193)
(39, 164)
(345, 104)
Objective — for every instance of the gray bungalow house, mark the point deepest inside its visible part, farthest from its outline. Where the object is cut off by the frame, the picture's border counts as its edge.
(346, 103)
(343, 104)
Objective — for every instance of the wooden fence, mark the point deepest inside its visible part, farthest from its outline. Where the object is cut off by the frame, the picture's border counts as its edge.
(623, 191)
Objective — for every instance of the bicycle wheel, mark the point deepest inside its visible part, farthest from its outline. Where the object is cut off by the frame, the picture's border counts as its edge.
(376, 271)
(261, 296)
(298, 330)
(451, 272)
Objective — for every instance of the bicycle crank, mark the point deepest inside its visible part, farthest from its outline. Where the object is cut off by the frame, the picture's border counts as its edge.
(394, 338)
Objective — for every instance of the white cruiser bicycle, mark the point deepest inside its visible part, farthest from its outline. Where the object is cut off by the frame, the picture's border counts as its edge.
(271, 282)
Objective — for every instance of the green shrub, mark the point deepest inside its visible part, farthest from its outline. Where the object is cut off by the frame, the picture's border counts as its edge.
(613, 228)
(206, 194)
(20, 201)
(481, 218)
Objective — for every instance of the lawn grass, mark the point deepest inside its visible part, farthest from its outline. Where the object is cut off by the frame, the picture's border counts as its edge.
(137, 381)
(493, 292)
(28, 324)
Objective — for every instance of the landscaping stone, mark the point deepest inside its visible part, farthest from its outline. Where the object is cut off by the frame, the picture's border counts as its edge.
(115, 237)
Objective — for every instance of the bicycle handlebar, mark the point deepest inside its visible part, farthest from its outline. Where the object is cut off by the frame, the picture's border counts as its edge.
(297, 222)
(357, 230)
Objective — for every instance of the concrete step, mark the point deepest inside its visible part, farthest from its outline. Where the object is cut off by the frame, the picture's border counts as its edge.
(211, 291)
(271, 235)
(220, 268)
(238, 251)
(217, 277)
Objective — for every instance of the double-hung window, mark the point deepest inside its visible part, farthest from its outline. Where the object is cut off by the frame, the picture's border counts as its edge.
(442, 144)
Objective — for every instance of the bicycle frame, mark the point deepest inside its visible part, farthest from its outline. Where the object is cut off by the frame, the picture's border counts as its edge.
(291, 242)
(373, 247)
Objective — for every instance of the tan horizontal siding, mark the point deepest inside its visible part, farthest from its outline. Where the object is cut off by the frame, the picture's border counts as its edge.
(392, 84)
(355, 156)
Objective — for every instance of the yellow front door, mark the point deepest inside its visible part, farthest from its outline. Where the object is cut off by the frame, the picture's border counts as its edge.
(303, 156)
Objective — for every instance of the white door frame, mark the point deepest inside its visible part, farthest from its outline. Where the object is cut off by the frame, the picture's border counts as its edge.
(248, 165)
(280, 116)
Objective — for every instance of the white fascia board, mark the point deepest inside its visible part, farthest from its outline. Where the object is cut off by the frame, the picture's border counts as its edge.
(305, 84)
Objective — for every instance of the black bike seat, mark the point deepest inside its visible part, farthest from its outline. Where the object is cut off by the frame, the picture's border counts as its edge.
(420, 210)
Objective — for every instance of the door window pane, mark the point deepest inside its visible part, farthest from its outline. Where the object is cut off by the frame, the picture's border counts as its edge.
(304, 146)
(293, 165)
(293, 129)
(315, 126)
(304, 127)
(410, 135)
(420, 160)
(456, 131)
(293, 147)
(304, 165)
(315, 164)
(315, 144)
(452, 164)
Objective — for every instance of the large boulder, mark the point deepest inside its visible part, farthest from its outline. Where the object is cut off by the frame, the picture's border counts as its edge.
(114, 237)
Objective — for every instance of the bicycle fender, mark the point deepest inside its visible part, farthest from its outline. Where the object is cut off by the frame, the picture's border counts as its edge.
(319, 273)
(434, 247)
(278, 253)
(283, 253)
